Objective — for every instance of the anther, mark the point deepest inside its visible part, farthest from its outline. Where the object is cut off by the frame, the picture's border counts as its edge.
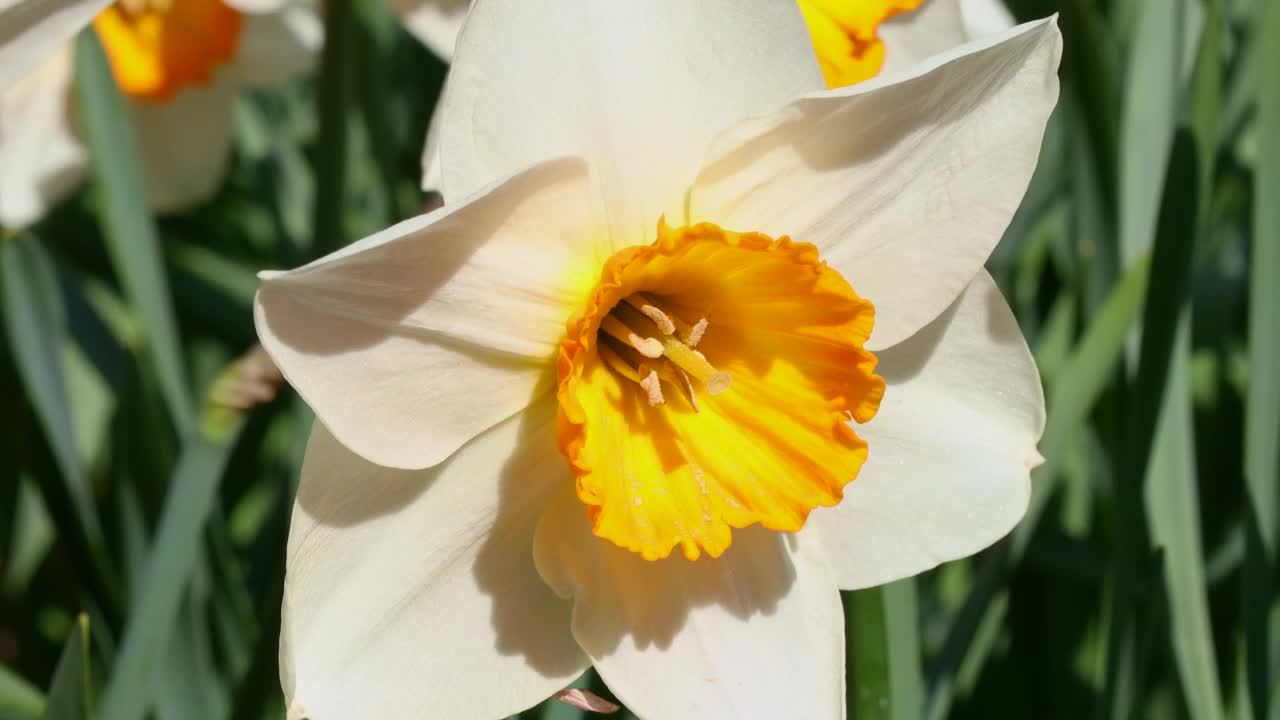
(652, 384)
(647, 346)
(646, 305)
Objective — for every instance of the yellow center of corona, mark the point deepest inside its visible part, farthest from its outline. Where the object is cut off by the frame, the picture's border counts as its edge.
(709, 384)
(845, 35)
(158, 47)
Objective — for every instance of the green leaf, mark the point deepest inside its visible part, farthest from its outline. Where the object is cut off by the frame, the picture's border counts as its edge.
(334, 103)
(35, 324)
(71, 692)
(1262, 409)
(132, 240)
(1151, 100)
(192, 491)
(19, 700)
(883, 650)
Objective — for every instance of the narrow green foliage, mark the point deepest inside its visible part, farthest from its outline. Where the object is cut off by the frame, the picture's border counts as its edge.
(71, 692)
(132, 240)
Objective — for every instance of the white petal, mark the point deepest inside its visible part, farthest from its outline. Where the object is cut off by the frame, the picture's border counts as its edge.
(41, 159)
(258, 7)
(950, 452)
(185, 144)
(756, 633)
(637, 88)
(905, 183)
(31, 30)
(277, 47)
(432, 172)
(910, 38)
(985, 17)
(413, 593)
(434, 22)
(410, 342)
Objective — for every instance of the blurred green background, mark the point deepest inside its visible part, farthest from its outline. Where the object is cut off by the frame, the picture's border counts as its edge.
(143, 516)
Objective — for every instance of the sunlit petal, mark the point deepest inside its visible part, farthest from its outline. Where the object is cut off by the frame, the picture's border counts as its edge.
(951, 449)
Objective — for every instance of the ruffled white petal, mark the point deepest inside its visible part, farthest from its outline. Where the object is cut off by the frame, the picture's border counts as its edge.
(756, 633)
(413, 593)
(637, 88)
(185, 143)
(910, 38)
(950, 452)
(41, 159)
(277, 47)
(434, 22)
(410, 342)
(905, 183)
(31, 30)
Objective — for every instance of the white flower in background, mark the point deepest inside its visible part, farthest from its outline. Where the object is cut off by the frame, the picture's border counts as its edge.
(434, 22)
(30, 31)
(855, 40)
(600, 410)
(180, 64)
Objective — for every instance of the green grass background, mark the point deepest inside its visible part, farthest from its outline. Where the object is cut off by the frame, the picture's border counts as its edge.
(142, 527)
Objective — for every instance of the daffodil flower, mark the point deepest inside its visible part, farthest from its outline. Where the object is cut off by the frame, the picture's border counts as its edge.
(854, 40)
(180, 64)
(684, 355)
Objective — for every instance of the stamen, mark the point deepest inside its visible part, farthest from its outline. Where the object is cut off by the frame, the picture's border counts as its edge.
(694, 334)
(652, 385)
(646, 305)
(618, 365)
(680, 379)
(693, 362)
(647, 346)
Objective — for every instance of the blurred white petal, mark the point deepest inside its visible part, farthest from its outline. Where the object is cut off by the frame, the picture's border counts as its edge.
(950, 452)
(905, 183)
(277, 47)
(985, 17)
(31, 30)
(910, 38)
(410, 342)
(638, 89)
(413, 593)
(41, 159)
(185, 143)
(434, 22)
(755, 633)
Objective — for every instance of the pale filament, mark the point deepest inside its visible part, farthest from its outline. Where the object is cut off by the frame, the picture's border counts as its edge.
(633, 323)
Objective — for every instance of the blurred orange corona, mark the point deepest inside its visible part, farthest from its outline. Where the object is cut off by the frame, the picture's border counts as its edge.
(845, 36)
(158, 47)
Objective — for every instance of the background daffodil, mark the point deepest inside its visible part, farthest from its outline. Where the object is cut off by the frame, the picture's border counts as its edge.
(459, 490)
(180, 63)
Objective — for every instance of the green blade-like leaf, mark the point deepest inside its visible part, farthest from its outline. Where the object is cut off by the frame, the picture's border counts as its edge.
(71, 692)
(883, 652)
(19, 700)
(1146, 129)
(177, 539)
(35, 323)
(1262, 410)
(132, 240)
